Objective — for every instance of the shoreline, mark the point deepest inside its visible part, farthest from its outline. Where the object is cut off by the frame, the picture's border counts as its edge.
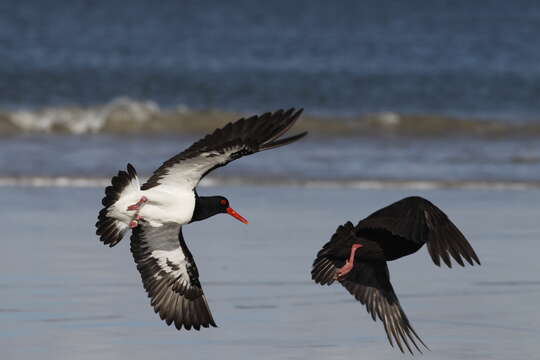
(416, 184)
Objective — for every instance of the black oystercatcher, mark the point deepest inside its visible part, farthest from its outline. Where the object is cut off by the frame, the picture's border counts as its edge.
(356, 256)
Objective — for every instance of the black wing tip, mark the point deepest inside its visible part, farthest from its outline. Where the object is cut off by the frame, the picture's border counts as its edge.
(131, 171)
(292, 110)
(186, 322)
(323, 282)
(323, 271)
(382, 303)
(107, 230)
(471, 262)
(283, 142)
(458, 254)
(406, 334)
(295, 114)
(190, 327)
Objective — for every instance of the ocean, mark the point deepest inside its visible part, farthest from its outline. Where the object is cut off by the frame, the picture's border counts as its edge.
(439, 57)
(427, 91)
(438, 99)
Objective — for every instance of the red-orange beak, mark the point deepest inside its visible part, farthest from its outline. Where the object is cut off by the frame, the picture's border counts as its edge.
(236, 215)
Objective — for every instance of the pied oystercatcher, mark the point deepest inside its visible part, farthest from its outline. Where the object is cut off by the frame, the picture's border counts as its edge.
(356, 256)
(157, 210)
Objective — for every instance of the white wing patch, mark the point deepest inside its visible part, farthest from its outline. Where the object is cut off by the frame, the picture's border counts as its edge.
(167, 259)
(163, 249)
(187, 173)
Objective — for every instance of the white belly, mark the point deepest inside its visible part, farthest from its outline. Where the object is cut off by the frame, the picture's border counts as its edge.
(164, 205)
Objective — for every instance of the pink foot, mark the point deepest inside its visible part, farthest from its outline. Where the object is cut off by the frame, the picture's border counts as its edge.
(344, 270)
(135, 222)
(349, 263)
(138, 204)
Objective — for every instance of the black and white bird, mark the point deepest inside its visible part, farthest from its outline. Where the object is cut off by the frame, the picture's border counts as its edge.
(356, 256)
(157, 210)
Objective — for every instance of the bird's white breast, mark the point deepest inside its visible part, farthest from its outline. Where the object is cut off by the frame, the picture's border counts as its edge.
(168, 205)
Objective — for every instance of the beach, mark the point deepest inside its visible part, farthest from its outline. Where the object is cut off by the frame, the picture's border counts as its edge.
(65, 295)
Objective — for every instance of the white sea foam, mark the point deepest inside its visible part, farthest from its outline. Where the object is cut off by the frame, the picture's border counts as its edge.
(78, 120)
(127, 115)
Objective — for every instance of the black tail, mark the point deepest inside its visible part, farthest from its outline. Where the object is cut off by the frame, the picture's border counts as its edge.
(111, 230)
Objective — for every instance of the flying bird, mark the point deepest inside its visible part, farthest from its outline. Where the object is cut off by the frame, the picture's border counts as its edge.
(356, 257)
(157, 210)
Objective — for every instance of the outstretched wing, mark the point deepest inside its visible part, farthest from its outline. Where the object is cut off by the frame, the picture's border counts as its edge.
(369, 283)
(420, 221)
(170, 276)
(237, 139)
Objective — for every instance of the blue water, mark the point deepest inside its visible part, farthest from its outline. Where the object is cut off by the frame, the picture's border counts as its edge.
(466, 59)
(446, 57)
(339, 160)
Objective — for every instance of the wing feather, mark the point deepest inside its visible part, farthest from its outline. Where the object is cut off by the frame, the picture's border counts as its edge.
(418, 221)
(240, 138)
(170, 276)
(369, 283)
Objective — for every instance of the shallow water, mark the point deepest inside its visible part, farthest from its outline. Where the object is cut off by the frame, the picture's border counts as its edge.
(450, 159)
(64, 295)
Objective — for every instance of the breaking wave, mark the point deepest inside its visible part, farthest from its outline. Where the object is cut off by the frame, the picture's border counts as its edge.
(126, 116)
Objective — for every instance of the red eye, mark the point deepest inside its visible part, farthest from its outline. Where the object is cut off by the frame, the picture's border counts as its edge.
(223, 202)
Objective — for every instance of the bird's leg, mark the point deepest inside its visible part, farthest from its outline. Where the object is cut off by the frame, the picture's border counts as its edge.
(137, 207)
(135, 222)
(138, 204)
(349, 263)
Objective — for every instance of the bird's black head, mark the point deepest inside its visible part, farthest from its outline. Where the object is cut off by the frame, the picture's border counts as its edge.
(207, 206)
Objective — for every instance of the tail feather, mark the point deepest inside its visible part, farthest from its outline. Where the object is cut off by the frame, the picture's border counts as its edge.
(109, 229)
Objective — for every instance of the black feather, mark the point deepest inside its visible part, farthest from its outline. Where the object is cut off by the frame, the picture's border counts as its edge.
(111, 230)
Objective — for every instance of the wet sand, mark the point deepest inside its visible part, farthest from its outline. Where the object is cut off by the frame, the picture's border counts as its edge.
(65, 295)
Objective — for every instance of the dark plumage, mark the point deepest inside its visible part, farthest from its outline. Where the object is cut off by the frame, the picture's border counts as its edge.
(111, 231)
(392, 232)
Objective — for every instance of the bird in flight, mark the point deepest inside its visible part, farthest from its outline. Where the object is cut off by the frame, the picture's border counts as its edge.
(356, 257)
(157, 210)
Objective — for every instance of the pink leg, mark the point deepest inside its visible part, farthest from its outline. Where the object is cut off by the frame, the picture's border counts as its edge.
(345, 269)
(134, 223)
(138, 204)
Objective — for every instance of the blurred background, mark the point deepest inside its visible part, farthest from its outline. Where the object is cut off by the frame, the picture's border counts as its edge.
(443, 91)
(433, 98)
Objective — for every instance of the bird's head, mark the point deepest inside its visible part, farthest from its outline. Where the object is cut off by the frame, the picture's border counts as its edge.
(224, 207)
(206, 206)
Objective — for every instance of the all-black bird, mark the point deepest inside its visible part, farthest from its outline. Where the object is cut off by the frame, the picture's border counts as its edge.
(356, 256)
(157, 210)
